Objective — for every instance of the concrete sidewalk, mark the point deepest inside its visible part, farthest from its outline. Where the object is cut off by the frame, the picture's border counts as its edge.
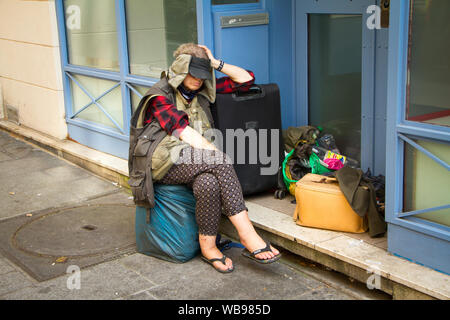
(34, 180)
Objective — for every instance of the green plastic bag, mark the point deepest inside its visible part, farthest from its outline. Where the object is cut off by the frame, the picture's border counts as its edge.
(290, 184)
(316, 166)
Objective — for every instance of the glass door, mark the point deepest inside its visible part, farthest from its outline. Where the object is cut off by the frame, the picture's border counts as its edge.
(335, 43)
(335, 73)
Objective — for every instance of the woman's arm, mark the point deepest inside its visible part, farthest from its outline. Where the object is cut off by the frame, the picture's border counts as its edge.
(236, 74)
(168, 116)
(175, 122)
(195, 139)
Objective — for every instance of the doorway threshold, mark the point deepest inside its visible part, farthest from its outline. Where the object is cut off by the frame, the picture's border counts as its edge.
(355, 255)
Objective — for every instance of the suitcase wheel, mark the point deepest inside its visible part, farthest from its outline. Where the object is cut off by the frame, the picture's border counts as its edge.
(280, 194)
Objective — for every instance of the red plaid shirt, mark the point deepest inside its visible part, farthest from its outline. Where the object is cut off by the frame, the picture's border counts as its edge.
(170, 118)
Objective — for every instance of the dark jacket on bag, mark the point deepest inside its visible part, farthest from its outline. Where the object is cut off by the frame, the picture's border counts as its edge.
(361, 196)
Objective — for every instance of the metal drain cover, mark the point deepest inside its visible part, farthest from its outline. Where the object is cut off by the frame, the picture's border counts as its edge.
(85, 235)
(79, 231)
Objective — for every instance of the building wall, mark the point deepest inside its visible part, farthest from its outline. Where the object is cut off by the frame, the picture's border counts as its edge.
(30, 68)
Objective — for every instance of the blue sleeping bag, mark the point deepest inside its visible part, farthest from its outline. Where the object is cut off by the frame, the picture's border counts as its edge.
(171, 233)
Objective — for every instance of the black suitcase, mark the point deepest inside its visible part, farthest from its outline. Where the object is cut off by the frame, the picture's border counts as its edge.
(257, 113)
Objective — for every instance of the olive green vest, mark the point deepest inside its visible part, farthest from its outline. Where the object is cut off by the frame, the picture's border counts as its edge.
(168, 150)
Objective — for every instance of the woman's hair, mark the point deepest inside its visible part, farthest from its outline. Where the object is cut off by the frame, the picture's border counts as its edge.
(191, 49)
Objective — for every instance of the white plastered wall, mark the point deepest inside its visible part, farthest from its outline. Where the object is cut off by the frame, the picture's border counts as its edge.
(30, 67)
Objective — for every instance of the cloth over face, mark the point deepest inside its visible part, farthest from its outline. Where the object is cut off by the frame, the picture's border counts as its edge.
(200, 68)
(179, 70)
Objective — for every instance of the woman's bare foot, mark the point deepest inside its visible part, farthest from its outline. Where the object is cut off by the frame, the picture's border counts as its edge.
(210, 251)
(253, 242)
(249, 238)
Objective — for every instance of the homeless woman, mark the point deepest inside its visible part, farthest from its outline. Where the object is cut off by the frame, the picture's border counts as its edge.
(180, 104)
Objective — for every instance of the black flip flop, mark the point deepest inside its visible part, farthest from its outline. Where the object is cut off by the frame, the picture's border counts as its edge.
(210, 261)
(251, 255)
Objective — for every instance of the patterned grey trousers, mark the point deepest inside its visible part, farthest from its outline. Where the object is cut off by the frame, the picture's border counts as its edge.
(214, 183)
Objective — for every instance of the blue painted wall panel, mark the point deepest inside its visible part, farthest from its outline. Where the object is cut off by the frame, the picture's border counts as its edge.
(99, 141)
(419, 248)
(247, 47)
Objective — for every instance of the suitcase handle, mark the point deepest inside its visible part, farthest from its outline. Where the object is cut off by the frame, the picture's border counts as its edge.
(326, 180)
(255, 92)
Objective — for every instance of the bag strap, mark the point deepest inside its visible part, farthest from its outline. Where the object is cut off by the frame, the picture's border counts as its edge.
(226, 244)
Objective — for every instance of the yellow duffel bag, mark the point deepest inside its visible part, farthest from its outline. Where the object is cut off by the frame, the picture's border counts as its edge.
(321, 204)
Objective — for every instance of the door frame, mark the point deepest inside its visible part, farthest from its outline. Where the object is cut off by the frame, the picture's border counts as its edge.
(302, 10)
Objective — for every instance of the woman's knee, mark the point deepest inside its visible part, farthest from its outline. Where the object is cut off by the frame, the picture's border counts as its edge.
(205, 184)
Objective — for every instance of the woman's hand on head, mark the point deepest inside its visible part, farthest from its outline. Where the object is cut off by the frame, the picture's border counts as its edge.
(236, 74)
(214, 62)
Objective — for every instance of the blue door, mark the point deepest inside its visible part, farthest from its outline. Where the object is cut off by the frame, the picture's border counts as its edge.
(256, 35)
(238, 33)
